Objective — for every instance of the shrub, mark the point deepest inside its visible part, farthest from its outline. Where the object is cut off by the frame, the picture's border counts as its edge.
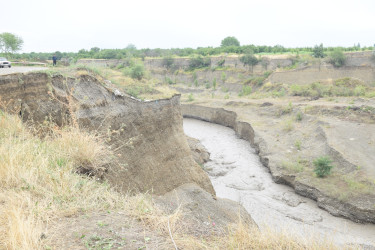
(223, 77)
(323, 166)
(137, 71)
(199, 62)
(214, 83)
(190, 97)
(246, 90)
(167, 62)
(337, 58)
(221, 62)
(299, 116)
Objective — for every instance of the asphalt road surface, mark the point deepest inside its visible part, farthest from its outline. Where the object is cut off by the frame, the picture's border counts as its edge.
(19, 69)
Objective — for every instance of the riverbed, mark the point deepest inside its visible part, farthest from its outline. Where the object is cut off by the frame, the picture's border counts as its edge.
(237, 174)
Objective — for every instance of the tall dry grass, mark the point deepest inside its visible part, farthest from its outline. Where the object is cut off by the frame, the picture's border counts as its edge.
(38, 180)
(39, 184)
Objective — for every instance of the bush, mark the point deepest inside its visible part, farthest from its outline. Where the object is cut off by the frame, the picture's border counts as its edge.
(199, 62)
(323, 166)
(337, 58)
(246, 90)
(137, 71)
(221, 63)
(167, 62)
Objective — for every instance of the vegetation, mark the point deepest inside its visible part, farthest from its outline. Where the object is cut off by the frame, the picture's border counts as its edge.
(10, 43)
(249, 59)
(323, 166)
(246, 90)
(337, 58)
(167, 62)
(318, 51)
(198, 62)
(230, 41)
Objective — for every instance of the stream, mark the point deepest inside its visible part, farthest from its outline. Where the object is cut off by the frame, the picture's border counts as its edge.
(237, 174)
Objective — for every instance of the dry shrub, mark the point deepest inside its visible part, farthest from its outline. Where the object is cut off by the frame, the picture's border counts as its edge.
(240, 236)
(38, 181)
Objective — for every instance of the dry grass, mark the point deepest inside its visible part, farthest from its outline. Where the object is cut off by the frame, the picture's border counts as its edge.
(39, 183)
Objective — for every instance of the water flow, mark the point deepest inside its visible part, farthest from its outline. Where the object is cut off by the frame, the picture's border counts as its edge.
(237, 174)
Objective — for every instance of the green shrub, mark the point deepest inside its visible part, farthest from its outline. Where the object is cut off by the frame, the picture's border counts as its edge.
(190, 97)
(137, 71)
(221, 62)
(246, 90)
(223, 77)
(169, 81)
(323, 166)
(199, 62)
(214, 83)
(266, 74)
(337, 58)
(299, 116)
(196, 83)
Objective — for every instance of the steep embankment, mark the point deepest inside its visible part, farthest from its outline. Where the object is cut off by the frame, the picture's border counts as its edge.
(357, 208)
(147, 137)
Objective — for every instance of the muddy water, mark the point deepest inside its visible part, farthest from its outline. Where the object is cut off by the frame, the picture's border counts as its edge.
(237, 174)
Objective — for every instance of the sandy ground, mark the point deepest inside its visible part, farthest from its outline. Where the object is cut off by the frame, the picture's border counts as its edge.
(19, 69)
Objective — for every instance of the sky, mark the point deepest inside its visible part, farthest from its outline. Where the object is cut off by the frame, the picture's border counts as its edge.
(71, 25)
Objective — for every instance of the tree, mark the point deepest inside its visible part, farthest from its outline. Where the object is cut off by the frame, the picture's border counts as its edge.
(230, 41)
(337, 58)
(318, 51)
(10, 43)
(249, 59)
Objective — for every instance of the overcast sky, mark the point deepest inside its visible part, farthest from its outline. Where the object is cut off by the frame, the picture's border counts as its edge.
(70, 25)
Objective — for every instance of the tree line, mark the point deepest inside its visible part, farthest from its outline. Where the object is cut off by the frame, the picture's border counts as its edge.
(229, 45)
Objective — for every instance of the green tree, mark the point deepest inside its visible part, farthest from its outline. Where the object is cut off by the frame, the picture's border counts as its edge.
(249, 59)
(337, 58)
(318, 51)
(10, 43)
(230, 41)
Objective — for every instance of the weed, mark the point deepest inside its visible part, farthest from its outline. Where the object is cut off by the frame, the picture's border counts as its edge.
(297, 143)
(190, 97)
(196, 83)
(323, 166)
(246, 90)
(288, 125)
(299, 116)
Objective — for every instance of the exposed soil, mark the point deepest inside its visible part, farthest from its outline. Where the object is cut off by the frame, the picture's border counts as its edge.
(288, 146)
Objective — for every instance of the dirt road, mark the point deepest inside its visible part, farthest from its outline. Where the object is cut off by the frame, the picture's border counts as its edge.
(19, 69)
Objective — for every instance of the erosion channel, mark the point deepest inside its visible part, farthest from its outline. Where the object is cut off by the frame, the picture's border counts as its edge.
(237, 174)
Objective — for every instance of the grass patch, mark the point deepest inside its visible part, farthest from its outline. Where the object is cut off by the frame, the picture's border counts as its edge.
(39, 180)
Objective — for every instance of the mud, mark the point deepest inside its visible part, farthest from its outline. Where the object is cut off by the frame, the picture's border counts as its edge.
(237, 173)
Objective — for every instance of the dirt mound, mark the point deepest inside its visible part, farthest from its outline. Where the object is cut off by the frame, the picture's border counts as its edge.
(147, 137)
(203, 214)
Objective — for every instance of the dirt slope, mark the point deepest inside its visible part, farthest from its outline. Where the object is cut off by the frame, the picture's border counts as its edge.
(150, 148)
